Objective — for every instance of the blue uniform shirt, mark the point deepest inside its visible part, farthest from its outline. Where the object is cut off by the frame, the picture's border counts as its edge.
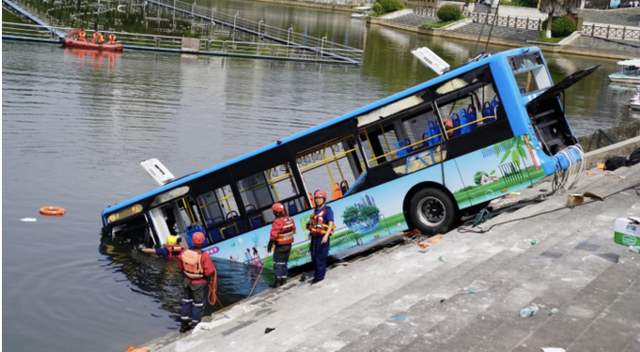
(328, 213)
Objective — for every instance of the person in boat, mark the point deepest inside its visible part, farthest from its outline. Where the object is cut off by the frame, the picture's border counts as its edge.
(170, 250)
(82, 35)
(98, 38)
(112, 38)
(320, 226)
(198, 269)
(283, 229)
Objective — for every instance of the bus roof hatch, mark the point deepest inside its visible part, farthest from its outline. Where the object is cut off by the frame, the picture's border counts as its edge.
(157, 170)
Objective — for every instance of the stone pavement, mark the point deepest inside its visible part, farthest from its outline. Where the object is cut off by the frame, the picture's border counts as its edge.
(463, 294)
(622, 17)
(632, 49)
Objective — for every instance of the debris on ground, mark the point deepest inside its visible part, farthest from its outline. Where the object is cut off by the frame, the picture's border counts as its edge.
(442, 259)
(534, 242)
(399, 317)
(138, 349)
(28, 219)
(268, 330)
(554, 311)
(635, 249)
(529, 311)
(553, 349)
(424, 245)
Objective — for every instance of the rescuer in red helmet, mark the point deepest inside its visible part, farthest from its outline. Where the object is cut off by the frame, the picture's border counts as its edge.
(283, 229)
(197, 268)
(320, 226)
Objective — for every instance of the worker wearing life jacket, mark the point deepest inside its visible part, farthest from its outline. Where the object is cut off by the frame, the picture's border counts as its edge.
(82, 36)
(320, 226)
(170, 250)
(283, 229)
(197, 268)
(112, 38)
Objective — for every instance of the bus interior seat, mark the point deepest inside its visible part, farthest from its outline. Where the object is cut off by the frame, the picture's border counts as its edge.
(344, 186)
(432, 130)
(402, 147)
(292, 208)
(255, 217)
(455, 119)
(216, 235)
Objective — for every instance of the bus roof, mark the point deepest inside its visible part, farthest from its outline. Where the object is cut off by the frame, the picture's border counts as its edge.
(367, 108)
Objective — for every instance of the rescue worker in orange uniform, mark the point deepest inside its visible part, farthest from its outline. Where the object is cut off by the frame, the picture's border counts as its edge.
(283, 229)
(112, 38)
(320, 226)
(82, 35)
(197, 268)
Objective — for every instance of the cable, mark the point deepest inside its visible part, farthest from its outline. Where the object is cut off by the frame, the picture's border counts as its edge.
(463, 229)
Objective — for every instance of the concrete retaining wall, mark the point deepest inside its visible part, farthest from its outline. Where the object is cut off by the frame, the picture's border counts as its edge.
(623, 148)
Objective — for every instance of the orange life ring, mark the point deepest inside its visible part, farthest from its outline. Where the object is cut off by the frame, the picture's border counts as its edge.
(52, 211)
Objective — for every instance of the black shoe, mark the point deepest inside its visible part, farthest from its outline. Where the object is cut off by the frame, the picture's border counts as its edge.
(283, 281)
(184, 327)
(315, 281)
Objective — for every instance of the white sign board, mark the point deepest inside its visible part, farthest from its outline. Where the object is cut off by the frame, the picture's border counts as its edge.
(431, 60)
(157, 170)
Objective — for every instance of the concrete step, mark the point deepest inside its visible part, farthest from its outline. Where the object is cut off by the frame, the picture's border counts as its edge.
(561, 288)
(449, 289)
(527, 267)
(357, 320)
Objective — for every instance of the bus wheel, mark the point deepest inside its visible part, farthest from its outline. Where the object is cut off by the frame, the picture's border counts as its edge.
(432, 211)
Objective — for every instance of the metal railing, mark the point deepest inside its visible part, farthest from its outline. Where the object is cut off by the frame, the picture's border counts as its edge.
(532, 24)
(611, 31)
(261, 29)
(206, 46)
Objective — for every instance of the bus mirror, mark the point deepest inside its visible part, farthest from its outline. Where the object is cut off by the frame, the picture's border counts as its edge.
(431, 60)
(157, 170)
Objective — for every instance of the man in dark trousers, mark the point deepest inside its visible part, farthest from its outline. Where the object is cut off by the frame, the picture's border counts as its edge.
(320, 226)
(283, 229)
(197, 268)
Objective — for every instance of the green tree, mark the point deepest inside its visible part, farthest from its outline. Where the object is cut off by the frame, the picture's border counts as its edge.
(367, 212)
(477, 178)
(513, 148)
(557, 8)
(350, 215)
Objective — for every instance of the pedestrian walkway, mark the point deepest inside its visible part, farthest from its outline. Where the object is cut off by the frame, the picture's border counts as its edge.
(507, 33)
(621, 17)
(552, 280)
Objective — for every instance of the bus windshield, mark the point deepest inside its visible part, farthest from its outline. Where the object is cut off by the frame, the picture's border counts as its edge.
(530, 72)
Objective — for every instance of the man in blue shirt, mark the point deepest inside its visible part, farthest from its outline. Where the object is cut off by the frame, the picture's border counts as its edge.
(320, 226)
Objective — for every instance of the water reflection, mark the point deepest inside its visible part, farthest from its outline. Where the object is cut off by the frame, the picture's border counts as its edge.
(161, 279)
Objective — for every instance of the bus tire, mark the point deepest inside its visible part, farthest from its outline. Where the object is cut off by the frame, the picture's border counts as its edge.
(432, 211)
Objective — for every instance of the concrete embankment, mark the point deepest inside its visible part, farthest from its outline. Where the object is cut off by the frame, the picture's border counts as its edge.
(325, 5)
(464, 293)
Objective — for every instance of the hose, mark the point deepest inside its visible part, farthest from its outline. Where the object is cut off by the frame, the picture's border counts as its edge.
(213, 290)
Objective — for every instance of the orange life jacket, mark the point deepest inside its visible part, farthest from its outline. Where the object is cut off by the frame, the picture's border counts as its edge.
(192, 264)
(286, 232)
(316, 224)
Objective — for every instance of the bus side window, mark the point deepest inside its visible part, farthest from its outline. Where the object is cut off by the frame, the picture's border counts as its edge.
(218, 208)
(260, 190)
(332, 167)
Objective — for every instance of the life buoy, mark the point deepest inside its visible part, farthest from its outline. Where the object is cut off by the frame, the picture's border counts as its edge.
(52, 211)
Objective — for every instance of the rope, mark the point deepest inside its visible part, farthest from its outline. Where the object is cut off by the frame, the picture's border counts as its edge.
(464, 229)
(213, 290)
(255, 283)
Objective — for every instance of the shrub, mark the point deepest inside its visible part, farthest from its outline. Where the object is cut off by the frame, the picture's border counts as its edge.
(561, 26)
(381, 7)
(449, 13)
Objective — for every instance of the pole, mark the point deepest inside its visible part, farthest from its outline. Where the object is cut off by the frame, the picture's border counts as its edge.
(233, 34)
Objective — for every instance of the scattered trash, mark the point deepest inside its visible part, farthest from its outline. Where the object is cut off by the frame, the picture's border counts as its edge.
(423, 246)
(635, 249)
(399, 317)
(554, 311)
(575, 199)
(626, 231)
(600, 166)
(28, 219)
(268, 330)
(553, 349)
(534, 242)
(471, 290)
(442, 300)
(442, 259)
(529, 311)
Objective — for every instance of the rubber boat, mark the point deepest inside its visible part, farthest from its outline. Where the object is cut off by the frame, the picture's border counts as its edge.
(629, 72)
(84, 44)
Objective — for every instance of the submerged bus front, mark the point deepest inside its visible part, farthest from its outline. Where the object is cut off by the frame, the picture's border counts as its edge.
(413, 160)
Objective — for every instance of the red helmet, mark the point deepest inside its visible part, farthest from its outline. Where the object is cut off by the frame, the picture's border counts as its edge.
(320, 194)
(198, 239)
(277, 208)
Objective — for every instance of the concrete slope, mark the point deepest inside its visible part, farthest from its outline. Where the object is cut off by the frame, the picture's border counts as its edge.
(465, 293)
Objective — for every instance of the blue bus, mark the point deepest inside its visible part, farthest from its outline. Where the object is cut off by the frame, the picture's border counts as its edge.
(413, 160)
